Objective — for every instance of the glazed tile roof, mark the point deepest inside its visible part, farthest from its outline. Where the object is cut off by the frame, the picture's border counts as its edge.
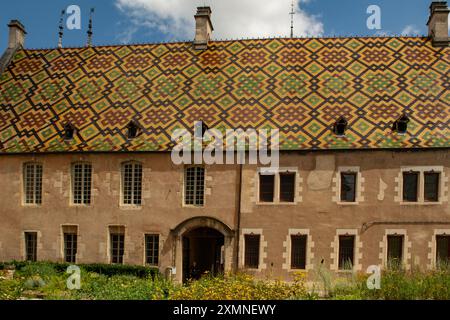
(300, 86)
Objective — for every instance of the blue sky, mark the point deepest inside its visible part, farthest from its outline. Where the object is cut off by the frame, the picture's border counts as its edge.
(129, 21)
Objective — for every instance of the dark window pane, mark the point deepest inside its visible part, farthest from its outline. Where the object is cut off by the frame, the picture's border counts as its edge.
(287, 187)
(266, 187)
(346, 252)
(410, 184)
(431, 193)
(70, 247)
(443, 251)
(31, 246)
(152, 249)
(348, 187)
(298, 252)
(194, 186)
(252, 251)
(117, 247)
(395, 251)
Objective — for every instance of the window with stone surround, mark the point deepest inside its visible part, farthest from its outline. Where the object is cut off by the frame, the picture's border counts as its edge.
(443, 251)
(81, 183)
(132, 183)
(298, 251)
(117, 244)
(421, 185)
(70, 234)
(287, 186)
(194, 186)
(348, 186)
(346, 252)
(252, 245)
(410, 186)
(31, 246)
(395, 245)
(431, 186)
(32, 183)
(278, 187)
(152, 249)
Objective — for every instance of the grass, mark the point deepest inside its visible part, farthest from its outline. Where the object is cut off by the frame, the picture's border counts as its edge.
(103, 282)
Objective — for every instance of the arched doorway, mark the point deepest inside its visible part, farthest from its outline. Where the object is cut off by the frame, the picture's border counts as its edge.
(206, 241)
(203, 252)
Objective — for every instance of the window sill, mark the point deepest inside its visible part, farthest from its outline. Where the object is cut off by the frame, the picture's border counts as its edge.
(340, 203)
(421, 203)
(277, 203)
(32, 206)
(191, 206)
(130, 207)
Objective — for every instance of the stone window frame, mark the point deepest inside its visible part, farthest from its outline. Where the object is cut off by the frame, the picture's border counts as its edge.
(207, 191)
(161, 243)
(262, 249)
(432, 245)
(357, 254)
(122, 205)
(61, 240)
(443, 185)
(39, 244)
(360, 180)
(127, 241)
(71, 185)
(22, 182)
(276, 172)
(287, 254)
(406, 259)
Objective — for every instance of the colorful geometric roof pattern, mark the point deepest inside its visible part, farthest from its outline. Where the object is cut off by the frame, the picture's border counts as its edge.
(300, 86)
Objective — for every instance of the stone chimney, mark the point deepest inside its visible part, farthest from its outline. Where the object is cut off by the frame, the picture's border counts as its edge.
(438, 23)
(203, 28)
(16, 34)
(15, 42)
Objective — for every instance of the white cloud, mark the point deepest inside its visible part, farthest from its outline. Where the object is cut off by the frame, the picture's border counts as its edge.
(231, 18)
(410, 30)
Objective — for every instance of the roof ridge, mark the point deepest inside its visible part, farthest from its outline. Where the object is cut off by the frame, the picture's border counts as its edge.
(134, 44)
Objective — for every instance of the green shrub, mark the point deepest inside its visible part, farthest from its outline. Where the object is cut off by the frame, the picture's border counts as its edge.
(10, 289)
(411, 285)
(45, 269)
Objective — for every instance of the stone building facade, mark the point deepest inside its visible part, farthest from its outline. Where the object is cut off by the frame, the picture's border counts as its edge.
(363, 179)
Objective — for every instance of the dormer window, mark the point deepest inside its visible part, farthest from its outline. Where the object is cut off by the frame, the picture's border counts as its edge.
(69, 132)
(340, 127)
(132, 130)
(401, 125)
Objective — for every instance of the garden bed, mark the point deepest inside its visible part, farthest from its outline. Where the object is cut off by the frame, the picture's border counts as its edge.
(114, 282)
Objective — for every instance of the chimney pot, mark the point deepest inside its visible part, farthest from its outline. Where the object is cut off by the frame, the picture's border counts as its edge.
(203, 28)
(438, 24)
(16, 34)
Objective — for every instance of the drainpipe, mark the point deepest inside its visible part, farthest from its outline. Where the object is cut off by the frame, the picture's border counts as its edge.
(238, 218)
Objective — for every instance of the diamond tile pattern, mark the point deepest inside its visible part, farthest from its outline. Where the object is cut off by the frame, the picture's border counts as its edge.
(299, 86)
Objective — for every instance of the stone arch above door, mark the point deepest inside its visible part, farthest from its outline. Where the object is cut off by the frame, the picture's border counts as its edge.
(199, 222)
